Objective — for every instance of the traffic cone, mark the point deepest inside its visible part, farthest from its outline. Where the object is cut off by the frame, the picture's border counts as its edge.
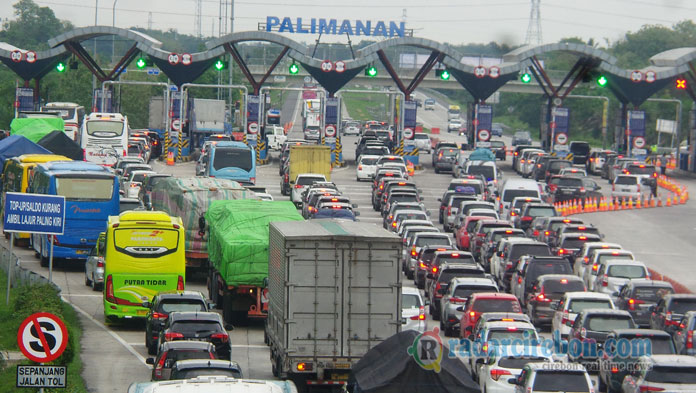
(652, 201)
(170, 158)
(659, 202)
(623, 203)
(630, 203)
(669, 202)
(675, 200)
(638, 202)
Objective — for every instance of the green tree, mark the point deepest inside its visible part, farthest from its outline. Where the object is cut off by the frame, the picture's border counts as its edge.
(33, 26)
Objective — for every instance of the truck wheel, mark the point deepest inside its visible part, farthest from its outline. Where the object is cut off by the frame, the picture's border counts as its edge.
(227, 308)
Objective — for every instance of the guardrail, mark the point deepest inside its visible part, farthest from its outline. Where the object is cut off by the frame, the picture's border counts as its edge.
(20, 275)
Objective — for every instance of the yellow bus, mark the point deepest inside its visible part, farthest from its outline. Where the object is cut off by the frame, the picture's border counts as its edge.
(16, 173)
(145, 254)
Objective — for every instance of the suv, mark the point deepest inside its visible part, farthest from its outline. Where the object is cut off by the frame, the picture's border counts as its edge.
(498, 368)
(413, 310)
(436, 282)
(583, 257)
(508, 256)
(669, 310)
(420, 240)
(423, 143)
(569, 244)
(174, 351)
(490, 242)
(539, 377)
(149, 182)
(482, 228)
(459, 289)
(425, 258)
(548, 290)
(528, 271)
(596, 258)
(204, 326)
(615, 367)
(193, 368)
(480, 303)
(302, 181)
(639, 295)
(595, 163)
(684, 335)
(532, 210)
(613, 274)
(565, 187)
(595, 324)
(489, 335)
(164, 303)
(443, 159)
(521, 138)
(580, 152)
(573, 303)
(658, 373)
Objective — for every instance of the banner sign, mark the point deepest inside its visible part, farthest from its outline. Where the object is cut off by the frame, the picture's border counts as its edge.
(636, 123)
(335, 27)
(485, 117)
(331, 107)
(24, 99)
(410, 114)
(34, 213)
(561, 120)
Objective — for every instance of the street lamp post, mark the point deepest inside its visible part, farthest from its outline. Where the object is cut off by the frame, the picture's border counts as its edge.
(113, 24)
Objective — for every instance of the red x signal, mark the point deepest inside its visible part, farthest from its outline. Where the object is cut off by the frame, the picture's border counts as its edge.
(681, 84)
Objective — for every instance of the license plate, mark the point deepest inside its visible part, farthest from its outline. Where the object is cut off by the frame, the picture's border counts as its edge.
(343, 366)
(626, 189)
(339, 376)
(141, 312)
(82, 252)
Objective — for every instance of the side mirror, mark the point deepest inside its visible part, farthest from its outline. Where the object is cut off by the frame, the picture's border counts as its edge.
(598, 188)
(211, 305)
(354, 205)
(512, 381)
(460, 308)
(471, 337)
(150, 361)
(439, 199)
(147, 304)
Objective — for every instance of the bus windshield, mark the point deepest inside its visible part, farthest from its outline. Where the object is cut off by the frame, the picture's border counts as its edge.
(85, 188)
(232, 158)
(104, 128)
(146, 242)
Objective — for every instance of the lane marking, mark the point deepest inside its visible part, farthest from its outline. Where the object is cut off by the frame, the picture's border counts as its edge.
(248, 346)
(111, 333)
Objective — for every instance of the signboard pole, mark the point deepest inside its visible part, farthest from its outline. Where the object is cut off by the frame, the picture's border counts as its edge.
(50, 261)
(9, 269)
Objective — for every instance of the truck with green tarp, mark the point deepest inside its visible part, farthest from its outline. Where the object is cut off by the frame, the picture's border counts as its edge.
(189, 198)
(238, 253)
(35, 128)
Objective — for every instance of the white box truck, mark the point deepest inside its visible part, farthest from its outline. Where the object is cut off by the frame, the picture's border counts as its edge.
(334, 293)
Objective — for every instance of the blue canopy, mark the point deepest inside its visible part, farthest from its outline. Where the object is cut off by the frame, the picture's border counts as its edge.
(16, 145)
(482, 154)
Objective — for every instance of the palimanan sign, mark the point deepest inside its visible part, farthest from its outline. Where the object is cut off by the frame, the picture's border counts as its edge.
(335, 27)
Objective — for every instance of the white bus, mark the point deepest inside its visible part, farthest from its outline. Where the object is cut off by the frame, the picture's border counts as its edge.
(104, 137)
(73, 115)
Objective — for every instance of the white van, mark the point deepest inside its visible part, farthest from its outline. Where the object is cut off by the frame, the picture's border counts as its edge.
(513, 188)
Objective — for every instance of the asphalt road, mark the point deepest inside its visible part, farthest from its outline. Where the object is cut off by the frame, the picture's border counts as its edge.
(114, 355)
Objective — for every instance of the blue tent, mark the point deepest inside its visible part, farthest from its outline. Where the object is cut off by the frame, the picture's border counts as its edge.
(16, 145)
(482, 154)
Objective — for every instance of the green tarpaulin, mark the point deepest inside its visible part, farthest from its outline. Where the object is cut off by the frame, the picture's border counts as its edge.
(238, 244)
(35, 128)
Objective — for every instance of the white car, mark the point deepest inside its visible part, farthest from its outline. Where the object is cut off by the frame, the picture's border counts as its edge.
(613, 274)
(276, 137)
(351, 128)
(506, 362)
(133, 183)
(573, 171)
(454, 125)
(662, 373)
(583, 258)
(571, 304)
(539, 377)
(303, 181)
(596, 258)
(413, 310)
(423, 142)
(366, 168)
(627, 187)
(264, 196)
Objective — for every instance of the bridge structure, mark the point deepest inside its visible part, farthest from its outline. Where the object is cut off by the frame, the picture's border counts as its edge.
(631, 87)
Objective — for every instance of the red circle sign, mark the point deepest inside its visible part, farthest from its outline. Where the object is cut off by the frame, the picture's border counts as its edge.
(494, 72)
(639, 142)
(30, 56)
(561, 138)
(16, 56)
(408, 133)
(42, 337)
(327, 66)
(186, 59)
(340, 66)
(330, 131)
(253, 127)
(173, 58)
(480, 71)
(484, 135)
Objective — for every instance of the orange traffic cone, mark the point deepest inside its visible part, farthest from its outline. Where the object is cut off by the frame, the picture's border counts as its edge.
(170, 158)
(675, 200)
(638, 202)
(669, 202)
(652, 201)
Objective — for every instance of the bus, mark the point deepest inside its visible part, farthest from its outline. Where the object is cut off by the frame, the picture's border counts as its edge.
(91, 196)
(15, 178)
(234, 161)
(145, 254)
(104, 138)
(73, 115)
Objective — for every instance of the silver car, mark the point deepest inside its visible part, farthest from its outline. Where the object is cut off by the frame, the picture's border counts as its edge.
(413, 310)
(458, 291)
(423, 143)
(94, 266)
(668, 373)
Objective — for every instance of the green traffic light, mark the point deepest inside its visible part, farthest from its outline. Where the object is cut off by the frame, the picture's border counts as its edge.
(294, 69)
(602, 81)
(60, 67)
(444, 75)
(141, 63)
(371, 72)
(219, 65)
(526, 78)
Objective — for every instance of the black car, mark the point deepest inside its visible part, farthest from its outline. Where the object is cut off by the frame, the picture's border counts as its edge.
(164, 303)
(521, 138)
(186, 369)
(594, 325)
(172, 352)
(580, 151)
(637, 296)
(202, 326)
(498, 148)
(530, 211)
(444, 159)
(566, 188)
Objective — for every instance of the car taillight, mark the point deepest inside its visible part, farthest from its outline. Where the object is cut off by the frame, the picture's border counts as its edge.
(434, 269)
(172, 336)
(565, 318)
(513, 214)
(360, 167)
(438, 287)
(586, 259)
(180, 283)
(394, 224)
(449, 210)
(422, 265)
(582, 189)
(124, 153)
(457, 300)
(645, 388)
(519, 280)
(420, 316)
(496, 373)
(472, 314)
(690, 339)
(535, 233)
(527, 218)
(413, 252)
(605, 280)
(287, 177)
(668, 316)
(595, 267)
(298, 186)
(638, 189)
(133, 185)
(220, 336)
(542, 298)
(160, 364)
(110, 297)
(562, 251)
(100, 261)
(632, 303)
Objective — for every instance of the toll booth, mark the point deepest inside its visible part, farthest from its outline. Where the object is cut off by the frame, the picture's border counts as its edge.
(330, 129)
(635, 134)
(559, 130)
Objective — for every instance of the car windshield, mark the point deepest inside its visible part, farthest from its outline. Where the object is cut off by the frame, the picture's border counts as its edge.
(542, 211)
(574, 243)
(232, 158)
(420, 136)
(578, 305)
(509, 195)
(604, 257)
(448, 152)
(560, 381)
(85, 188)
(522, 135)
(518, 250)
(496, 305)
(125, 206)
(626, 271)
(558, 165)
(519, 362)
(650, 294)
(410, 301)
(207, 371)
(411, 216)
(580, 149)
(403, 198)
(196, 327)
(432, 241)
(368, 160)
(607, 323)
(677, 375)
(570, 182)
(641, 169)
(449, 274)
(563, 286)
(681, 306)
(659, 345)
(510, 334)
(626, 180)
(534, 270)
(487, 171)
(464, 291)
(497, 144)
(187, 354)
(168, 305)
(307, 180)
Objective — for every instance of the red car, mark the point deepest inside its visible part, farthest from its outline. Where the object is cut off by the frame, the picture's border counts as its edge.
(480, 303)
(464, 232)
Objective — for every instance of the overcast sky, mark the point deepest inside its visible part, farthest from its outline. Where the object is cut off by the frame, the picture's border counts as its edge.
(453, 21)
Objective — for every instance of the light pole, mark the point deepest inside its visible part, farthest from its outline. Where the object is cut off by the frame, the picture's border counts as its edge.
(94, 78)
(113, 24)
